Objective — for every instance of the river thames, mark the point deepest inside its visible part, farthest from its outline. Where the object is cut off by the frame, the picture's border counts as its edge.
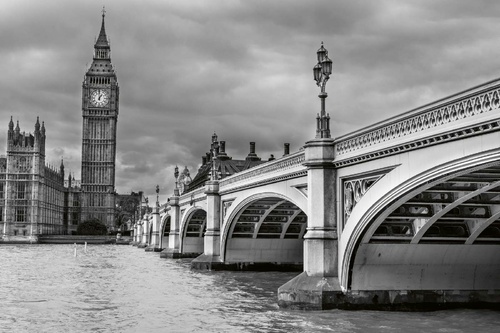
(111, 288)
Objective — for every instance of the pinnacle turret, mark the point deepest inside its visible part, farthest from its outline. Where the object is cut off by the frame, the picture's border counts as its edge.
(102, 40)
(37, 126)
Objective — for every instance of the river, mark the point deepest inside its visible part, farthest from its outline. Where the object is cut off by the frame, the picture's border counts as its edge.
(113, 288)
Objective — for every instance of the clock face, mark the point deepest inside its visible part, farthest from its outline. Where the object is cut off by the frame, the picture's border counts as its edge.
(99, 97)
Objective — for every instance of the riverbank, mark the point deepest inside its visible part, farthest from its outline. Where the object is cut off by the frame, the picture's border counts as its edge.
(67, 239)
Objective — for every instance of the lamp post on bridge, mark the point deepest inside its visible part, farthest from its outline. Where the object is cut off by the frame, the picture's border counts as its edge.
(322, 72)
(157, 195)
(318, 286)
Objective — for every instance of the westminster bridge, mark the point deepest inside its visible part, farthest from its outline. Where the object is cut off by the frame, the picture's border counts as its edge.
(404, 213)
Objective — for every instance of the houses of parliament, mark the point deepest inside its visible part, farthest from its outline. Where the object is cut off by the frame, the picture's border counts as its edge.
(36, 199)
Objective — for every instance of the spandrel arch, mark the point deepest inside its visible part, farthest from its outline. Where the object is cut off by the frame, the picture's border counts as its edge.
(265, 228)
(438, 230)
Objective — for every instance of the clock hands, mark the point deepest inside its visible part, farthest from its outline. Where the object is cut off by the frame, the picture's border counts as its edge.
(100, 98)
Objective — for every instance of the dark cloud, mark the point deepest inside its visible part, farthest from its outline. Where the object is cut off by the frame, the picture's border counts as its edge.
(240, 68)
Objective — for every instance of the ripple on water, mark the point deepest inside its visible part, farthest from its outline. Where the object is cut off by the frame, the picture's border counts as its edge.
(124, 289)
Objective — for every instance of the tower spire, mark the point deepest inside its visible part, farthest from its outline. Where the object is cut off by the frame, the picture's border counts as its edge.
(37, 126)
(102, 40)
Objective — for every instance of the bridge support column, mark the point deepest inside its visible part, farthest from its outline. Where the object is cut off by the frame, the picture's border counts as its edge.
(174, 237)
(144, 232)
(137, 233)
(155, 237)
(134, 234)
(211, 252)
(138, 238)
(318, 286)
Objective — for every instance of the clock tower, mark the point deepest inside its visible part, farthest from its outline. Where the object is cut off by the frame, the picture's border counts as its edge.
(100, 94)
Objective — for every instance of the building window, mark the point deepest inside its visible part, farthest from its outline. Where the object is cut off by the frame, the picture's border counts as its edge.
(74, 218)
(20, 215)
(21, 190)
(1, 191)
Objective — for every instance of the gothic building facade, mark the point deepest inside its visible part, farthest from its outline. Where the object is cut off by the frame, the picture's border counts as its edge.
(36, 199)
(31, 193)
(100, 93)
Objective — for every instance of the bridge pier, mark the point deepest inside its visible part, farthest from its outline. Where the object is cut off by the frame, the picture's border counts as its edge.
(138, 233)
(210, 259)
(318, 286)
(174, 240)
(144, 232)
(154, 246)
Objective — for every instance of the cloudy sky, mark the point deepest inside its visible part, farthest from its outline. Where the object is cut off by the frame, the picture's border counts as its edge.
(243, 69)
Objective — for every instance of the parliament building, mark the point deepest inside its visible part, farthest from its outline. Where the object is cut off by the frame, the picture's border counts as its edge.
(36, 199)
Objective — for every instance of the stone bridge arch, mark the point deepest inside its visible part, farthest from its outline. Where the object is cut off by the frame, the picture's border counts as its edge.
(436, 228)
(193, 227)
(149, 239)
(165, 231)
(264, 228)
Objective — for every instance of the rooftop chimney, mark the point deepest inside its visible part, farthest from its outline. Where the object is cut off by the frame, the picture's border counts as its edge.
(252, 156)
(222, 151)
(286, 149)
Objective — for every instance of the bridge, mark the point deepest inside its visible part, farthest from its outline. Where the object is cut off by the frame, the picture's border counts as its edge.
(401, 214)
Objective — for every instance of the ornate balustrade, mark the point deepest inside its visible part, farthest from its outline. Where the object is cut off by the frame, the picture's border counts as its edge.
(446, 119)
(287, 167)
(193, 196)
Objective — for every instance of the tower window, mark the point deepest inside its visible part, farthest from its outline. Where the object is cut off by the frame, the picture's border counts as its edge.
(21, 190)
(21, 214)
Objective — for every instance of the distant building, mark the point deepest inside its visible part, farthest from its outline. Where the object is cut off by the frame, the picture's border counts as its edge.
(100, 94)
(216, 163)
(31, 193)
(36, 199)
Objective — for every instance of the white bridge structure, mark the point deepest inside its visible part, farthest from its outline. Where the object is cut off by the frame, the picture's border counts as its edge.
(403, 213)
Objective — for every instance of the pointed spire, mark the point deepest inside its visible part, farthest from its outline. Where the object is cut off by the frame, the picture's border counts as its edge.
(17, 128)
(37, 125)
(61, 168)
(11, 124)
(102, 40)
(43, 128)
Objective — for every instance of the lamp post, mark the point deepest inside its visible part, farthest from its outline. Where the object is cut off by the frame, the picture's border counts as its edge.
(157, 195)
(322, 72)
(176, 175)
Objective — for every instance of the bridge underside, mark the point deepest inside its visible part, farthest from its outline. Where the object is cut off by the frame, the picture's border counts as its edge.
(192, 243)
(440, 246)
(165, 233)
(267, 234)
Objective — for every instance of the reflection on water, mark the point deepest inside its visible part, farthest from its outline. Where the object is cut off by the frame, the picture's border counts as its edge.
(110, 288)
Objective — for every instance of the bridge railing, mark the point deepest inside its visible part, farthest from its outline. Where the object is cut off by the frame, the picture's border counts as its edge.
(193, 196)
(446, 119)
(286, 167)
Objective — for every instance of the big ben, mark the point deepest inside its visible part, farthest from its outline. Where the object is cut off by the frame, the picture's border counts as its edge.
(100, 93)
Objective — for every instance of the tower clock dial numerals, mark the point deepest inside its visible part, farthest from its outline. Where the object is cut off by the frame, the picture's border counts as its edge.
(99, 97)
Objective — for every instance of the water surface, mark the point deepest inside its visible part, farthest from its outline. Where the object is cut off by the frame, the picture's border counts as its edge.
(113, 288)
